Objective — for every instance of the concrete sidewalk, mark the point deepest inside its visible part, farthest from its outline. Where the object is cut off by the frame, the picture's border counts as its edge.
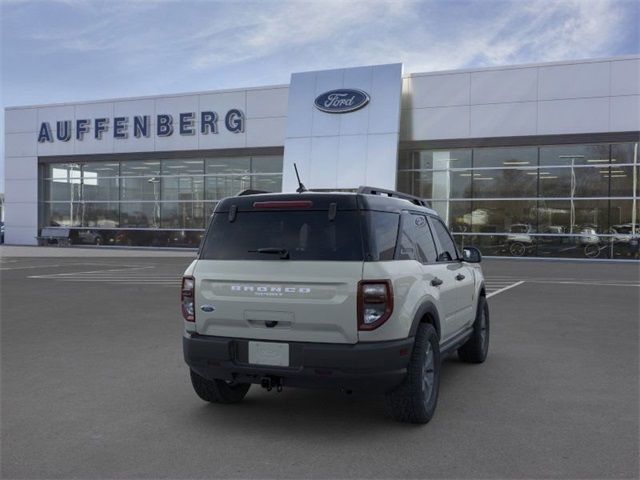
(10, 251)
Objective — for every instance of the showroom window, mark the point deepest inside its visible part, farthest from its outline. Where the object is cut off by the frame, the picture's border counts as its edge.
(551, 200)
(160, 202)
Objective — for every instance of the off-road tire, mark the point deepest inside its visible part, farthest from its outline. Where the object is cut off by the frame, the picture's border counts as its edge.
(518, 249)
(412, 401)
(476, 348)
(218, 391)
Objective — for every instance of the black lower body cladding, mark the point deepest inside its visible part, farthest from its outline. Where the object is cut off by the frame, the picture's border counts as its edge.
(363, 367)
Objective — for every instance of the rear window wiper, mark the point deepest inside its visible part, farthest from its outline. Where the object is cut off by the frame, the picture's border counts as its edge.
(283, 252)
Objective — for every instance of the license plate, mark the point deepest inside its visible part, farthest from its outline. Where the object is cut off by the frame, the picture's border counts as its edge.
(269, 353)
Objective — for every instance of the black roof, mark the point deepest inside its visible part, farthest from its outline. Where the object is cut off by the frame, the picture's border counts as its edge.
(323, 200)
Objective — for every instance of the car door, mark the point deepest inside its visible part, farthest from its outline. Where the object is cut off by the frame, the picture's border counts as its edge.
(417, 243)
(458, 280)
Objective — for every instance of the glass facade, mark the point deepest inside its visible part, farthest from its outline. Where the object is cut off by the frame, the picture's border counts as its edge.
(157, 202)
(553, 201)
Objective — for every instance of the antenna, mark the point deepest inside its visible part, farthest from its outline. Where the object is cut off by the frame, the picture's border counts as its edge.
(301, 188)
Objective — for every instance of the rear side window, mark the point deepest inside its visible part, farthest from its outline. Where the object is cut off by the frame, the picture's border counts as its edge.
(426, 248)
(416, 242)
(448, 251)
(382, 234)
(304, 235)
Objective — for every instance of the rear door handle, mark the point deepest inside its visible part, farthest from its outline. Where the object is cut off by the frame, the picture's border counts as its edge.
(436, 282)
(460, 277)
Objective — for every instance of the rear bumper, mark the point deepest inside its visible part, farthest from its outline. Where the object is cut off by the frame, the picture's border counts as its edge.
(363, 367)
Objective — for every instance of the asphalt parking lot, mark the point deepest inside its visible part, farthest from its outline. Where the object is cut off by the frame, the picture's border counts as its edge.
(94, 385)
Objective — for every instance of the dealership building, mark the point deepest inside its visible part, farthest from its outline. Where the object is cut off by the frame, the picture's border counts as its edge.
(528, 160)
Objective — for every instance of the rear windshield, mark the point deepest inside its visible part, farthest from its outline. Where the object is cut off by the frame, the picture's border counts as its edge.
(303, 235)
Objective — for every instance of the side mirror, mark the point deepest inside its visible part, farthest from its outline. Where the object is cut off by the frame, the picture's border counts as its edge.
(471, 255)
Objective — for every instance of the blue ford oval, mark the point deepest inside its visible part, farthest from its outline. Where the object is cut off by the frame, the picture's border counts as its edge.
(342, 100)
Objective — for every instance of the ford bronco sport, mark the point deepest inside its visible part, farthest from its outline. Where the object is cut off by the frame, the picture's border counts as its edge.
(357, 291)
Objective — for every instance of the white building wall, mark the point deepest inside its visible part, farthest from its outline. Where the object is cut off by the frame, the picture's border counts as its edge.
(586, 96)
(343, 150)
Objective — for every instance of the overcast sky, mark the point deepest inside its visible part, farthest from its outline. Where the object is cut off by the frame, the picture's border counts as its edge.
(59, 51)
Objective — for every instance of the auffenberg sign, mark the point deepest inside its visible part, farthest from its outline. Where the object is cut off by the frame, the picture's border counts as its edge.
(140, 126)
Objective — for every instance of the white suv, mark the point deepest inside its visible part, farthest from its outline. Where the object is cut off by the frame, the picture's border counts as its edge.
(357, 291)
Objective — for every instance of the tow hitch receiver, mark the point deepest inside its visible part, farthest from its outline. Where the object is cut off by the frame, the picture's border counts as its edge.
(270, 382)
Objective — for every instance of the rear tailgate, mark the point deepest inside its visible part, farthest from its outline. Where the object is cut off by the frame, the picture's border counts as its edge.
(308, 301)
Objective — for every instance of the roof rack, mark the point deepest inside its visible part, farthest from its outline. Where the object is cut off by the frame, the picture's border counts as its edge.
(249, 191)
(392, 193)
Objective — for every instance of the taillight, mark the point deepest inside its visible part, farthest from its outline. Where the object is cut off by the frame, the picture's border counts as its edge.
(187, 298)
(375, 303)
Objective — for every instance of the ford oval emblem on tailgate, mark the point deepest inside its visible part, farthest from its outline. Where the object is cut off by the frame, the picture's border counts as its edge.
(341, 101)
(207, 308)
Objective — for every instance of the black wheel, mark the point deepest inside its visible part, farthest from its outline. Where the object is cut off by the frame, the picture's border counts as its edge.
(98, 241)
(414, 401)
(592, 251)
(517, 249)
(476, 348)
(218, 391)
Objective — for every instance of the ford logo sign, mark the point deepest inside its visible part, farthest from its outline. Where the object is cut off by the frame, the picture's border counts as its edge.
(341, 101)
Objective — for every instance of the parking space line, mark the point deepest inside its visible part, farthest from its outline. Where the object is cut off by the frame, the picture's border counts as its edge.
(129, 275)
(95, 272)
(601, 284)
(504, 289)
(31, 266)
(65, 265)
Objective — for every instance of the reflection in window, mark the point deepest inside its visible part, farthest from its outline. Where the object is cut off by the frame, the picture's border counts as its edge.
(228, 165)
(574, 155)
(572, 174)
(622, 180)
(182, 215)
(144, 194)
(624, 216)
(140, 214)
(100, 188)
(440, 184)
(219, 187)
(266, 164)
(62, 214)
(64, 172)
(100, 169)
(137, 168)
(193, 166)
(103, 215)
(182, 188)
(574, 182)
(505, 183)
(61, 190)
(267, 183)
(434, 159)
(140, 188)
(574, 217)
(457, 215)
(504, 216)
(505, 157)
